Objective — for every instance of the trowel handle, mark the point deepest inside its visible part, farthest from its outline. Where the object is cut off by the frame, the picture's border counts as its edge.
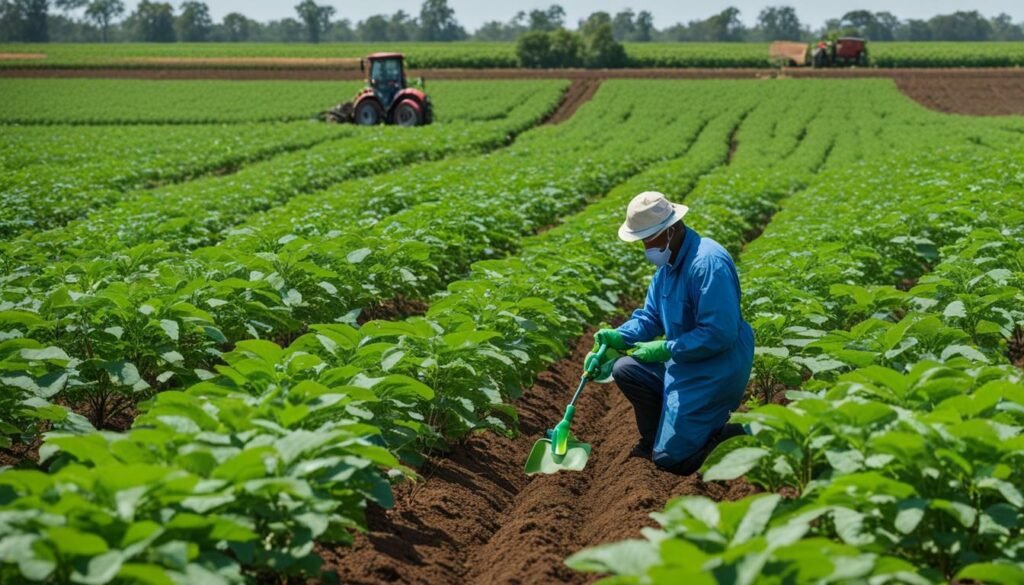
(595, 363)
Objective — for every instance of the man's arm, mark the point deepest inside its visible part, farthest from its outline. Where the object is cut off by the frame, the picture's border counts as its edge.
(645, 324)
(718, 315)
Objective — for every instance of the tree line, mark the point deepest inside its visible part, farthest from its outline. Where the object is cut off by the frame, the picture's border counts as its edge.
(110, 20)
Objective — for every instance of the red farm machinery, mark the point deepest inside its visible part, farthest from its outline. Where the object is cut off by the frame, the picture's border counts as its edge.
(844, 51)
(387, 98)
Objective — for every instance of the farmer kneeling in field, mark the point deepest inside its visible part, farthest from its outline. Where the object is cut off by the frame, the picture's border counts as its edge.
(684, 386)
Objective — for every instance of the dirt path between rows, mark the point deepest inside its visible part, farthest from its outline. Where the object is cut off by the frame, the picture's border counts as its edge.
(580, 91)
(981, 91)
(476, 518)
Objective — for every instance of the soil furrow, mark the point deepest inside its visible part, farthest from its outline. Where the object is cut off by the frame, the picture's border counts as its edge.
(475, 517)
(580, 91)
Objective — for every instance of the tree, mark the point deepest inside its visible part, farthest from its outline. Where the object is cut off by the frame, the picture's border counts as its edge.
(546, 20)
(287, 30)
(533, 49)
(566, 48)
(879, 26)
(437, 22)
(1003, 29)
(916, 30)
(602, 50)
(623, 25)
(194, 22)
(153, 22)
(500, 31)
(374, 29)
(777, 23)
(593, 22)
(644, 27)
(237, 27)
(724, 26)
(401, 27)
(25, 20)
(888, 26)
(557, 48)
(316, 18)
(960, 26)
(102, 13)
(69, 5)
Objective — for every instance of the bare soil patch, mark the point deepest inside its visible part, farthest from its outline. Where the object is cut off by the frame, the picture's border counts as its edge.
(21, 56)
(980, 96)
(580, 91)
(475, 517)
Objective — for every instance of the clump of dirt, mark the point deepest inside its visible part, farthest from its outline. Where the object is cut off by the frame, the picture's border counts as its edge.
(475, 517)
(1015, 347)
(394, 309)
(22, 454)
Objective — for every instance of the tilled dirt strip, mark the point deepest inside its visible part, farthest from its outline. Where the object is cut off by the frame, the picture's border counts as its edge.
(476, 518)
(981, 96)
(580, 91)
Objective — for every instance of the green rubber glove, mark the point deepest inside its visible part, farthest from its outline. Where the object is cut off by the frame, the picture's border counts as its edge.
(604, 368)
(610, 337)
(651, 351)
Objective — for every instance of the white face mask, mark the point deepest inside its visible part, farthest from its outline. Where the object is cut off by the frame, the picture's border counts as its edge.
(660, 257)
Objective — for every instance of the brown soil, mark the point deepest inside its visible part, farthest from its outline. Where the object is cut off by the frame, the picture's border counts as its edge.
(393, 310)
(21, 56)
(981, 91)
(475, 517)
(22, 454)
(1015, 347)
(980, 96)
(580, 91)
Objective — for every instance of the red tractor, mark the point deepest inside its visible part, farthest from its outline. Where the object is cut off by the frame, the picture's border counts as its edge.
(843, 51)
(825, 53)
(387, 98)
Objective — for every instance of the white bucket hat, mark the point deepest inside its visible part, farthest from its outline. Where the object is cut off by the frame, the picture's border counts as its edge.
(648, 214)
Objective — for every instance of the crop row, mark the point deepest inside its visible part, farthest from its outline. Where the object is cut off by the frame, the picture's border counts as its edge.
(124, 101)
(57, 174)
(60, 174)
(493, 55)
(194, 213)
(901, 452)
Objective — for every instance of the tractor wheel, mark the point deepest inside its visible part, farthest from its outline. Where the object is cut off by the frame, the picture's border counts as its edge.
(408, 113)
(369, 113)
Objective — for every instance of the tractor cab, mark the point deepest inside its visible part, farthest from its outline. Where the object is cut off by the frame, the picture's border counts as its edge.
(387, 76)
(386, 99)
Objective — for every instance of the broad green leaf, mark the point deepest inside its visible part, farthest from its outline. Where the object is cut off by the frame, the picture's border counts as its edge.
(72, 542)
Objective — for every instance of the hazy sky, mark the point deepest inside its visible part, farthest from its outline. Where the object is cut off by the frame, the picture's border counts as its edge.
(472, 14)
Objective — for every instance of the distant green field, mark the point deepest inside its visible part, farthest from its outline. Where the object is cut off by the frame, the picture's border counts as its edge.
(494, 55)
(137, 101)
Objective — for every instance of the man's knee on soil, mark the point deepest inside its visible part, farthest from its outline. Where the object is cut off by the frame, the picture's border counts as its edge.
(678, 465)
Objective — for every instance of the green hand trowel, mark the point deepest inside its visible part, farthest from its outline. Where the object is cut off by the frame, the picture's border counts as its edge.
(560, 451)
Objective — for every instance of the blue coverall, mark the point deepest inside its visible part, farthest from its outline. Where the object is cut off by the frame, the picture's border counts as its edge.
(695, 303)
